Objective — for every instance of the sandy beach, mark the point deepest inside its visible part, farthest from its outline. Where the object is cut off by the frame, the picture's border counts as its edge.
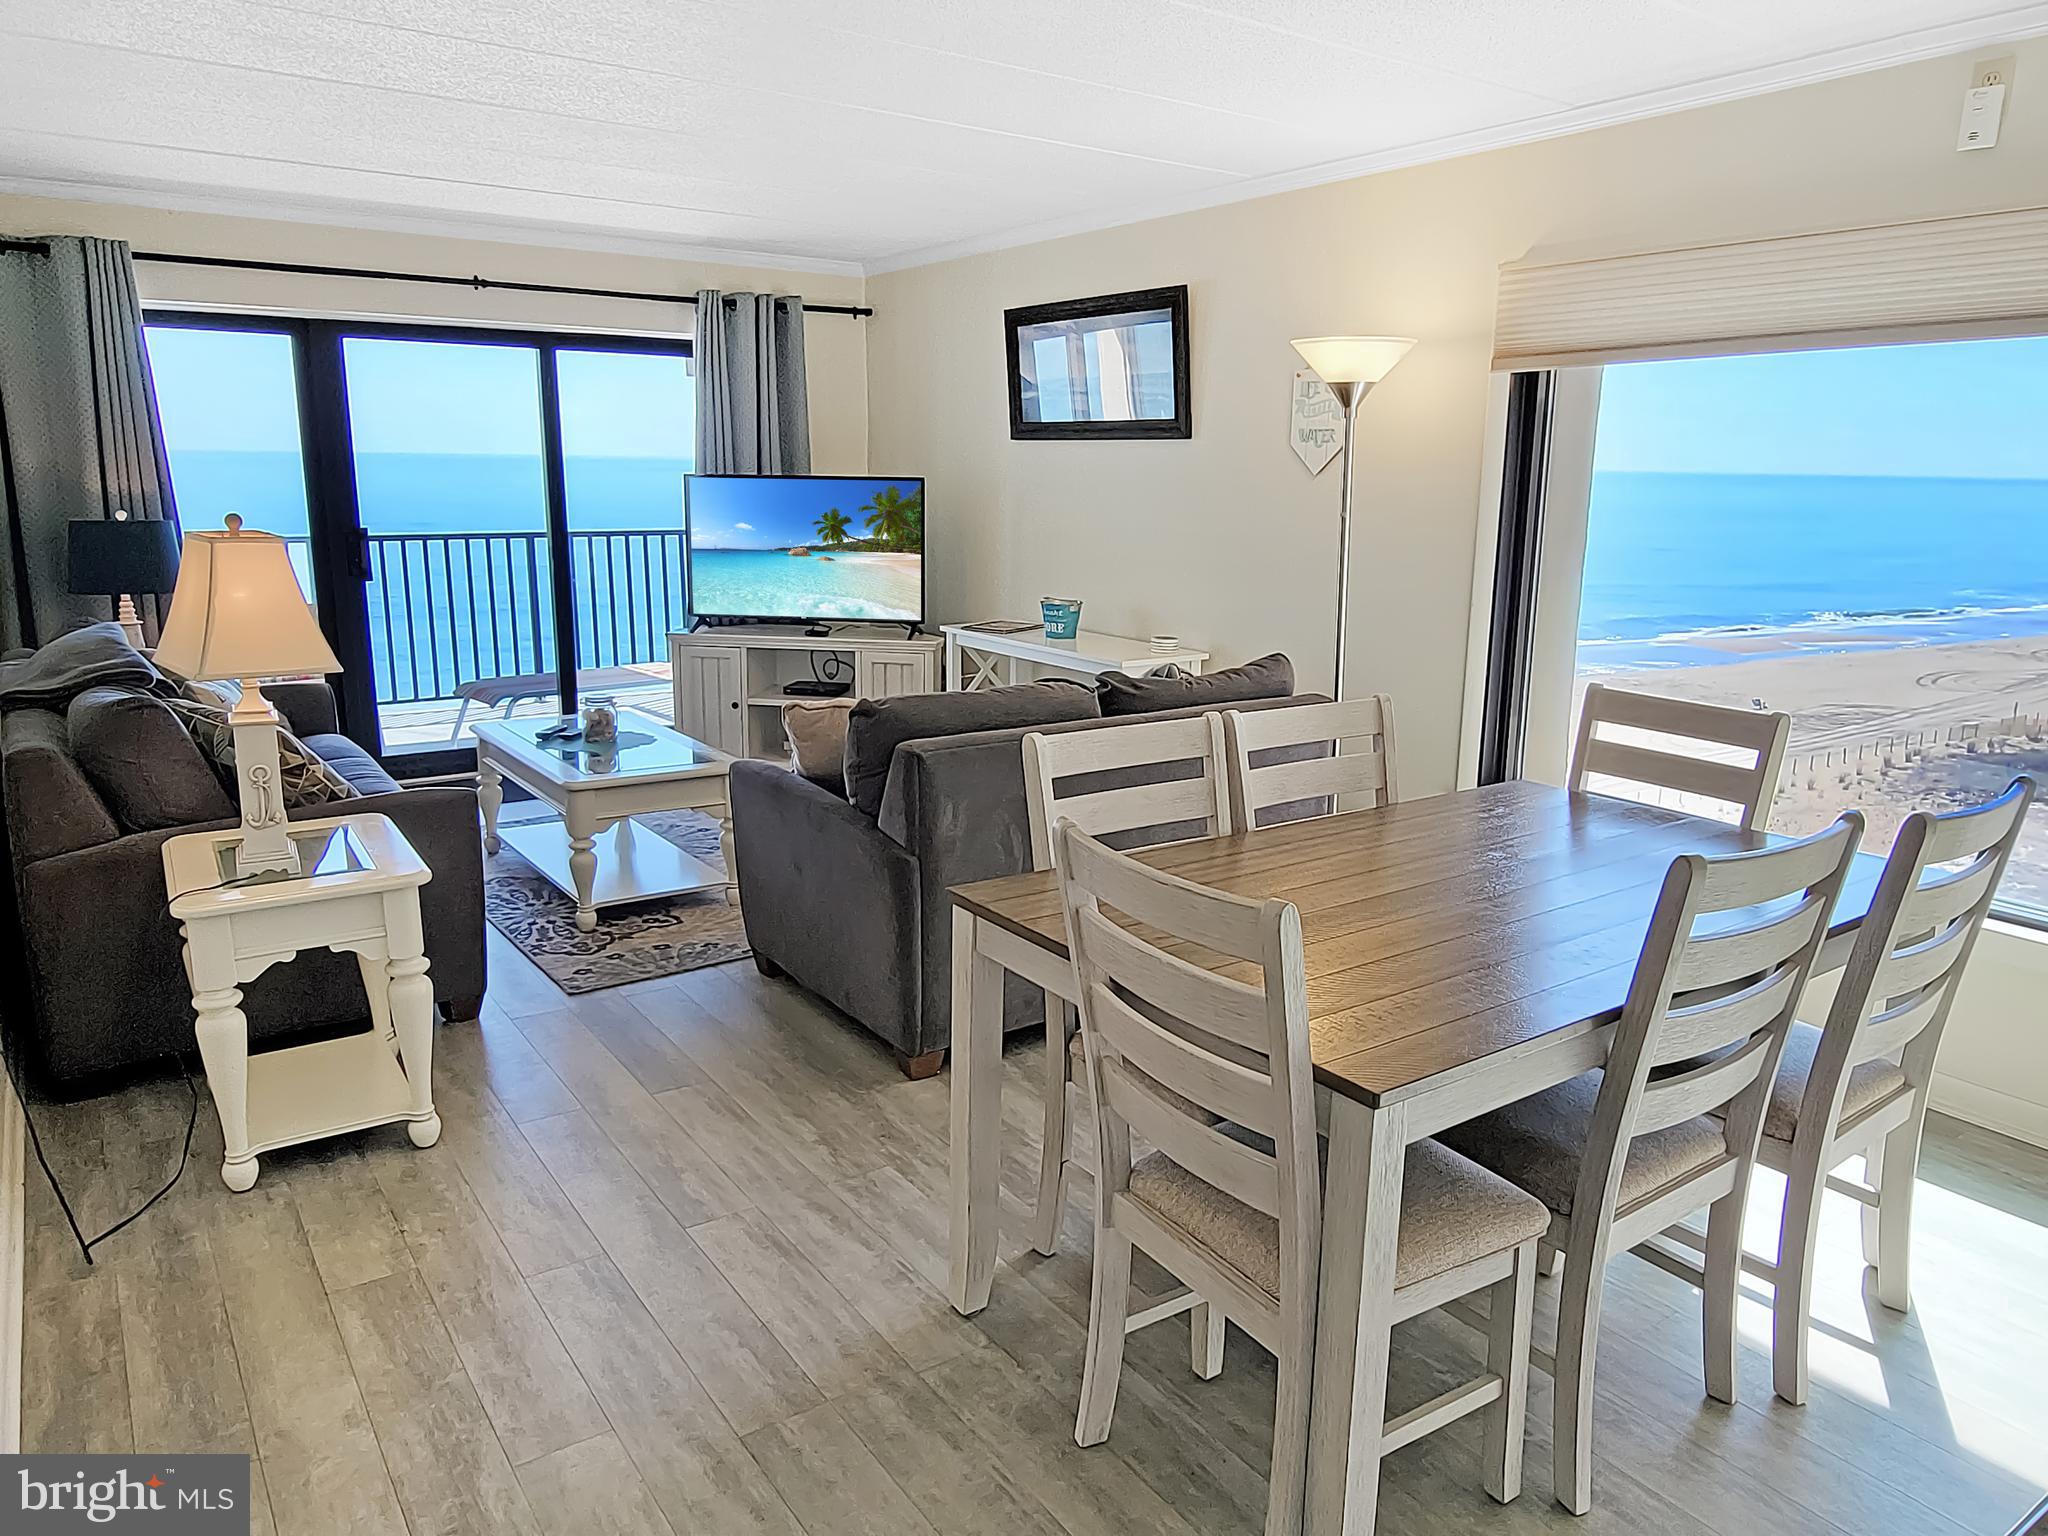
(1888, 728)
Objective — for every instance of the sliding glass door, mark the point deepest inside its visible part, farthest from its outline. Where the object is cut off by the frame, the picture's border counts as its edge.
(486, 519)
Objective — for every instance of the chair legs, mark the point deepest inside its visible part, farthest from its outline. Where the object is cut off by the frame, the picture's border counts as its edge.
(1052, 1147)
(1509, 1311)
(1792, 1280)
(1287, 1482)
(1723, 1278)
(1205, 1340)
(1896, 1166)
(1578, 1339)
(1108, 1306)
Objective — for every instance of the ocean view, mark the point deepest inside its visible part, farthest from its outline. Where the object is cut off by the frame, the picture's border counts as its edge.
(1685, 570)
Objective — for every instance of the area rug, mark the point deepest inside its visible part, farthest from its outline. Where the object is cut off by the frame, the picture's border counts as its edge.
(663, 937)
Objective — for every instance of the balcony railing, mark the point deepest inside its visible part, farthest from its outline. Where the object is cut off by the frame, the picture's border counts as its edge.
(453, 608)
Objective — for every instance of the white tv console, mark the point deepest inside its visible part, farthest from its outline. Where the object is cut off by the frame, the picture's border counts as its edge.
(728, 681)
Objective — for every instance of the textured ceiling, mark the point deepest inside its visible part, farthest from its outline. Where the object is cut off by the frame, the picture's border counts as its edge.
(875, 133)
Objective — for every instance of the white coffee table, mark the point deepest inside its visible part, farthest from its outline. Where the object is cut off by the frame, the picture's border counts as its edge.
(650, 768)
(359, 892)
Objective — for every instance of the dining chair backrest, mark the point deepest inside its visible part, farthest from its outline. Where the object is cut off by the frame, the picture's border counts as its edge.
(1147, 782)
(1729, 947)
(1355, 779)
(1146, 1013)
(1700, 751)
(1931, 901)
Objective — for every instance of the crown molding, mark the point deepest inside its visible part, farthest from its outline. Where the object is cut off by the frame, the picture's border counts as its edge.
(395, 221)
(2011, 26)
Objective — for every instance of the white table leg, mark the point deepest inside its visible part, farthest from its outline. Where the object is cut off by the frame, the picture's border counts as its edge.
(582, 828)
(409, 1001)
(490, 795)
(223, 1032)
(725, 852)
(1354, 1321)
(954, 681)
(977, 1114)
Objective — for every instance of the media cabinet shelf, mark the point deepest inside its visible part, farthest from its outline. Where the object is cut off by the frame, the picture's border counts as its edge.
(728, 682)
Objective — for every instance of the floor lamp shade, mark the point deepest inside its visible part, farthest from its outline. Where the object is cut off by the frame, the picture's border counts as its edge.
(238, 613)
(1350, 365)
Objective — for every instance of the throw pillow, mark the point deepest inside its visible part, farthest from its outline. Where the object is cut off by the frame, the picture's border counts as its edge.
(137, 753)
(305, 777)
(1270, 677)
(817, 741)
(877, 727)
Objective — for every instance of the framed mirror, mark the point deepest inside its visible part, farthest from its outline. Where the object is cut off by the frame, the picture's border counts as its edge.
(1115, 366)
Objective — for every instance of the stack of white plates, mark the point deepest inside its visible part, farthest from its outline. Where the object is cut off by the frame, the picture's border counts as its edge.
(1165, 645)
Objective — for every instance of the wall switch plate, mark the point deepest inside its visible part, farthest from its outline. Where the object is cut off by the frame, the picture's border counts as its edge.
(1983, 105)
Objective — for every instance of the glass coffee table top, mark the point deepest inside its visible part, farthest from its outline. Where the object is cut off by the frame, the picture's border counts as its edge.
(643, 748)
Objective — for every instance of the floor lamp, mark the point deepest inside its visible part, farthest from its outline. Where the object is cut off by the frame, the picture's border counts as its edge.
(1350, 365)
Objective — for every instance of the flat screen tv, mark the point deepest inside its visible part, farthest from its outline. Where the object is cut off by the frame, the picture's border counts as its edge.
(806, 547)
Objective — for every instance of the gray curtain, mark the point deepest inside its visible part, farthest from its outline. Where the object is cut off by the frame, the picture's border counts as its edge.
(753, 413)
(79, 435)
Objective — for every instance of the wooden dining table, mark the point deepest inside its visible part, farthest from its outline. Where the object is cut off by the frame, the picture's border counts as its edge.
(1462, 952)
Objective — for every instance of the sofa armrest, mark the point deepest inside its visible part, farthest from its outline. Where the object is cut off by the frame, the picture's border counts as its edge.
(307, 707)
(828, 899)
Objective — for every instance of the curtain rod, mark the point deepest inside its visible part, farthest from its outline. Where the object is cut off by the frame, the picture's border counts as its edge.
(167, 258)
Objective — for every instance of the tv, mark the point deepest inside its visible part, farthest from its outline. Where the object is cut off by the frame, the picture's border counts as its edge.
(806, 547)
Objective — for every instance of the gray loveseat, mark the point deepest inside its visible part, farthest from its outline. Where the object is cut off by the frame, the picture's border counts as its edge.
(93, 786)
(845, 892)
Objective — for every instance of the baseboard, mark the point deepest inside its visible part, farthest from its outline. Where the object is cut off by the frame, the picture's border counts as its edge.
(13, 1258)
(2022, 1119)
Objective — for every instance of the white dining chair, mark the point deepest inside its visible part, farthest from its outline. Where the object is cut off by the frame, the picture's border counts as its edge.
(1858, 1085)
(1148, 782)
(1357, 773)
(1620, 1154)
(1214, 1073)
(1701, 752)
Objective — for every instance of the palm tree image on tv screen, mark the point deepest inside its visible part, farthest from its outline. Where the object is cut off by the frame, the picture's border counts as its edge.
(807, 547)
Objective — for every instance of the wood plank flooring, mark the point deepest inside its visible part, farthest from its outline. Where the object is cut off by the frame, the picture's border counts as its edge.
(677, 1266)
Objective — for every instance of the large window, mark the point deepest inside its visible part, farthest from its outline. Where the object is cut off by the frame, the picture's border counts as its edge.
(488, 520)
(1858, 537)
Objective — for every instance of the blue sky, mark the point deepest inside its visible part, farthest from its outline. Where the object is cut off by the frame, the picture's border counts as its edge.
(1975, 408)
(774, 514)
(232, 390)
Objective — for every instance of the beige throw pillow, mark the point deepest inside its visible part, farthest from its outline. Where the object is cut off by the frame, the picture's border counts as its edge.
(817, 740)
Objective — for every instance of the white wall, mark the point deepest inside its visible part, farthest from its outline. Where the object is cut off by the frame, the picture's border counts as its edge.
(1225, 539)
(835, 346)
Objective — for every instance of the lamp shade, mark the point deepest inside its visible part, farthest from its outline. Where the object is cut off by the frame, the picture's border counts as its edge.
(238, 612)
(113, 557)
(1353, 359)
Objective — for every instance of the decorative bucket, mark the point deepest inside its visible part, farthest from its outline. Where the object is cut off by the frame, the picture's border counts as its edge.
(1062, 616)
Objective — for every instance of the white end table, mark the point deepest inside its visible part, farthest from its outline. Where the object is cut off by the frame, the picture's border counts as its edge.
(974, 656)
(359, 893)
(649, 768)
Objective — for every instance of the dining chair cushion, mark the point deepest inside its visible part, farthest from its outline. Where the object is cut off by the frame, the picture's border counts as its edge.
(1537, 1143)
(1870, 1083)
(1452, 1212)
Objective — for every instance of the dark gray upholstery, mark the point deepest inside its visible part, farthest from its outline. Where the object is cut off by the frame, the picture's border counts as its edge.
(856, 908)
(877, 727)
(1269, 677)
(142, 761)
(103, 955)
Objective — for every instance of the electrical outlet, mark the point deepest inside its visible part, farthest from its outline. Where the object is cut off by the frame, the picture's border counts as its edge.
(1993, 72)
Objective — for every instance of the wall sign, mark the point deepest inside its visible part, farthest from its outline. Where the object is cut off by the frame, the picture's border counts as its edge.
(1315, 427)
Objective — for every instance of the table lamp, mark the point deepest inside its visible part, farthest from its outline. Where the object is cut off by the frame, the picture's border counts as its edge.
(1350, 365)
(238, 613)
(121, 556)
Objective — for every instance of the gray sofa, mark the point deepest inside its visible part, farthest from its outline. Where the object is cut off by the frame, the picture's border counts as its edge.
(845, 891)
(94, 784)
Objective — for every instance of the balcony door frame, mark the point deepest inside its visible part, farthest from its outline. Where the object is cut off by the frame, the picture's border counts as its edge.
(341, 573)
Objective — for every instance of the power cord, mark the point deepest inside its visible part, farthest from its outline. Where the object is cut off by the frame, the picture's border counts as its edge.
(87, 1244)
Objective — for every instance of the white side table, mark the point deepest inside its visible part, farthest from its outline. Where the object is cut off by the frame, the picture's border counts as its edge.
(974, 656)
(360, 893)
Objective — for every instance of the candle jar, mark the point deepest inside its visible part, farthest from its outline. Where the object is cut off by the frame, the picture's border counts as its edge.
(600, 718)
